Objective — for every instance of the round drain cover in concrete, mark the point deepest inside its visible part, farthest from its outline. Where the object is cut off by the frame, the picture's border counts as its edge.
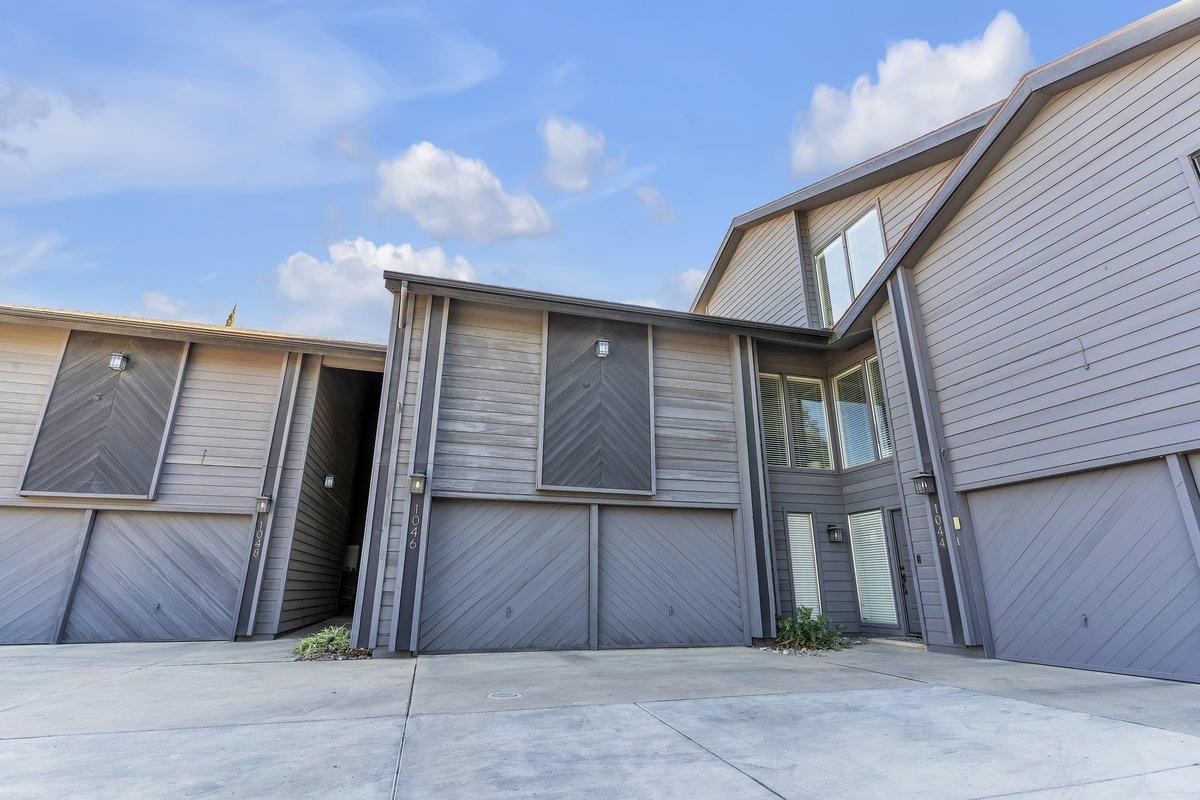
(504, 696)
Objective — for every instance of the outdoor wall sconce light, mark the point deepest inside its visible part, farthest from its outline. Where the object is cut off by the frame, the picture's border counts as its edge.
(416, 484)
(923, 483)
(262, 505)
(835, 534)
(118, 362)
(328, 481)
(602, 348)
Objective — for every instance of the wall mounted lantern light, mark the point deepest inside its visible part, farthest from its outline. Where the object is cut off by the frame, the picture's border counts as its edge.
(328, 481)
(262, 505)
(924, 483)
(416, 484)
(118, 361)
(835, 533)
(602, 348)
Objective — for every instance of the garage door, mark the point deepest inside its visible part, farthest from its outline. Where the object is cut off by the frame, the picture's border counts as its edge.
(37, 558)
(668, 577)
(1093, 570)
(505, 576)
(158, 577)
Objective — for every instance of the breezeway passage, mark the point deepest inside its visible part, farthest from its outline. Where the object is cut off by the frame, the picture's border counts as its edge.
(241, 719)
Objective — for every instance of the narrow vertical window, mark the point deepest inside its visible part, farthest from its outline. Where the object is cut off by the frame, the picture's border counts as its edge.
(775, 438)
(872, 569)
(854, 418)
(833, 281)
(864, 243)
(809, 425)
(802, 545)
(883, 428)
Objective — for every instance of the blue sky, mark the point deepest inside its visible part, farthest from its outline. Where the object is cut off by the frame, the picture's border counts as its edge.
(171, 160)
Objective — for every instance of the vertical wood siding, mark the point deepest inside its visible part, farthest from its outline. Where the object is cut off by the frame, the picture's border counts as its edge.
(318, 543)
(222, 428)
(406, 419)
(905, 452)
(1062, 303)
(28, 357)
(1091, 570)
(763, 281)
(695, 439)
(280, 546)
(37, 560)
(900, 200)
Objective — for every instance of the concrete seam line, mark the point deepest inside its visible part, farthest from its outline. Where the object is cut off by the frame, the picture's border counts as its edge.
(230, 725)
(1085, 783)
(138, 668)
(732, 766)
(412, 685)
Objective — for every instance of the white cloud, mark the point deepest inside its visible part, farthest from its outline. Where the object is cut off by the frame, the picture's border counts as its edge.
(917, 88)
(677, 291)
(163, 304)
(573, 153)
(687, 283)
(344, 295)
(209, 98)
(650, 302)
(454, 196)
(656, 205)
(20, 256)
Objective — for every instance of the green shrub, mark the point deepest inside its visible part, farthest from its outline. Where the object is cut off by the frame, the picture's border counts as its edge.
(807, 632)
(333, 640)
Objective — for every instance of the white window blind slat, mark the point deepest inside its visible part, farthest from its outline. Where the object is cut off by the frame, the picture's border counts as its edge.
(806, 586)
(883, 427)
(872, 569)
(864, 242)
(833, 281)
(775, 438)
(854, 418)
(809, 425)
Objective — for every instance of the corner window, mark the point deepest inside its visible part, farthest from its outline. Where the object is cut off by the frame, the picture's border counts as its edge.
(883, 428)
(854, 418)
(845, 265)
(795, 425)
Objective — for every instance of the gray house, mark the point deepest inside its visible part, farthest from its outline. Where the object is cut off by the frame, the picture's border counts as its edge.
(950, 393)
(165, 481)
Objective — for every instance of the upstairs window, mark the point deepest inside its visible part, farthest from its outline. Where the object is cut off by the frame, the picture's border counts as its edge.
(795, 426)
(862, 414)
(845, 265)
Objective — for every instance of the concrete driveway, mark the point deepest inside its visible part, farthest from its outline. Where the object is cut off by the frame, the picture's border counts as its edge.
(242, 720)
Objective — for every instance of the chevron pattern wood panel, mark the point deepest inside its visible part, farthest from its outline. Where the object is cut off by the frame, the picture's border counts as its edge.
(102, 428)
(37, 560)
(159, 577)
(505, 576)
(1094, 570)
(596, 418)
(668, 577)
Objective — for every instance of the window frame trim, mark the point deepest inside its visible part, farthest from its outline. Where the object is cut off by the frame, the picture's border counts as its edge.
(788, 510)
(783, 409)
(876, 207)
(871, 402)
(837, 407)
(834, 465)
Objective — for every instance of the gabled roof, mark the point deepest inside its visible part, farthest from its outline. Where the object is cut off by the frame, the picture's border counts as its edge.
(948, 141)
(1136, 41)
(187, 331)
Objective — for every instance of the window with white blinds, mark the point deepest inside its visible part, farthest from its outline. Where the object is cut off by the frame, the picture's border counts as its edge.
(855, 427)
(806, 586)
(808, 423)
(845, 265)
(872, 569)
(883, 428)
(775, 438)
(864, 243)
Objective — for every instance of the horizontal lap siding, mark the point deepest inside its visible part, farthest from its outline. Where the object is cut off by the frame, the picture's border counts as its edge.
(271, 595)
(901, 201)
(695, 440)
(395, 539)
(905, 451)
(222, 427)
(1061, 304)
(762, 281)
(28, 357)
(487, 438)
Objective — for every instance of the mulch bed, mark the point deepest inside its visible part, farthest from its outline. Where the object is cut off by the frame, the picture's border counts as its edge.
(355, 654)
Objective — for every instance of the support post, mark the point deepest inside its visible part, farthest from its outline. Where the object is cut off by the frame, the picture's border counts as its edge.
(81, 548)
(1189, 497)
(594, 577)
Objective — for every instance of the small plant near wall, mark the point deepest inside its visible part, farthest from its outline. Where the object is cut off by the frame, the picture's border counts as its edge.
(806, 631)
(329, 644)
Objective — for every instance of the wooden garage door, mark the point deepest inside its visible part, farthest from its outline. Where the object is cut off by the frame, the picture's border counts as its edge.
(159, 577)
(505, 576)
(1094, 570)
(668, 577)
(37, 559)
